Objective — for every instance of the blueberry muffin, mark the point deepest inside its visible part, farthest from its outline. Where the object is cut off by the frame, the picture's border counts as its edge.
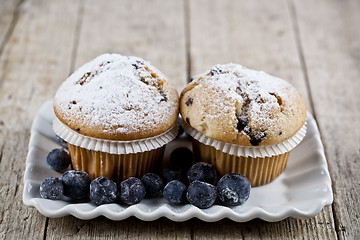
(116, 113)
(242, 120)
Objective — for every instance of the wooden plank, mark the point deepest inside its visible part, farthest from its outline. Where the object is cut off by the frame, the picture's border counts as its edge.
(31, 68)
(153, 30)
(257, 34)
(332, 60)
(319, 227)
(101, 228)
(8, 18)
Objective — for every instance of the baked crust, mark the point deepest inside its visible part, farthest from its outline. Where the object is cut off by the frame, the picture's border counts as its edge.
(117, 97)
(233, 104)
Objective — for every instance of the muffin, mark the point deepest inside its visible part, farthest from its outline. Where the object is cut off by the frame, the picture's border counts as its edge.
(117, 113)
(243, 121)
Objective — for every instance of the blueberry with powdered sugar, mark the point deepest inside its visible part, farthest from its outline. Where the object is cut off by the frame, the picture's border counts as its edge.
(175, 192)
(76, 184)
(202, 171)
(103, 191)
(233, 189)
(132, 191)
(153, 184)
(201, 194)
(52, 188)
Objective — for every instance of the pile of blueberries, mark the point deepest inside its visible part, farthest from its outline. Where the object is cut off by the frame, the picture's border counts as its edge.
(182, 182)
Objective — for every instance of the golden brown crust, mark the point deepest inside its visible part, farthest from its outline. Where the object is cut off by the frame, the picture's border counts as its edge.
(242, 106)
(118, 98)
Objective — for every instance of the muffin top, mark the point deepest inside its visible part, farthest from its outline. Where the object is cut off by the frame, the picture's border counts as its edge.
(118, 98)
(234, 104)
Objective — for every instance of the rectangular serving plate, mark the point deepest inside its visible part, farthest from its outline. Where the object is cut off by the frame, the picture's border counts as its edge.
(301, 191)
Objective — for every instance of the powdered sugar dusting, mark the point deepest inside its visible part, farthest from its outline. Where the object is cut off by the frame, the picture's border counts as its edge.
(263, 103)
(117, 93)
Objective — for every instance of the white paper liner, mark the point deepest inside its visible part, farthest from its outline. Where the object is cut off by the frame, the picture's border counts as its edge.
(247, 151)
(112, 146)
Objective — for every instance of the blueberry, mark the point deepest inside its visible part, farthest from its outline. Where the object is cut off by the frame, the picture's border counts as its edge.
(169, 175)
(51, 188)
(233, 189)
(189, 101)
(181, 158)
(132, 191)
(242, 122)
(201, 194)
(103, 191)
(61, 142)
(215, 70)
(58, 159)
(76, 184)
(257, 137)
(203, 172)
(175, 192)
(153, 184)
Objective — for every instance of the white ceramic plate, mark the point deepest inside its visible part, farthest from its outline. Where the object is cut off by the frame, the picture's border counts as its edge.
(301, 191)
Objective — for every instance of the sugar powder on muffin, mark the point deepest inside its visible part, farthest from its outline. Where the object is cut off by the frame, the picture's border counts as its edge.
(116, 113)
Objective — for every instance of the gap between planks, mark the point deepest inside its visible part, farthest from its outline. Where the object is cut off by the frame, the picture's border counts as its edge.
(79, 21)
(295, 26)
(78, 27)
(187, 26)
(10, 30)
(12, 25)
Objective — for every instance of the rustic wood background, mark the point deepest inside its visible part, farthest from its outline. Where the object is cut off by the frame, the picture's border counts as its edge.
(313, 44)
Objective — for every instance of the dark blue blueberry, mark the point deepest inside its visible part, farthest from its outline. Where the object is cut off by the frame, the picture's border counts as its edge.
(175, 192)
(51, 188)
(201, 194)
(203, 172)
(215, 70)
(132, 191)
(181, 158)
(58, 159)
(242, 122)
(103, 191)
(153, 184)
(76, 184)
(233, 189)
(189, 101)
(169, 175)
(257, 137)
(61, 142)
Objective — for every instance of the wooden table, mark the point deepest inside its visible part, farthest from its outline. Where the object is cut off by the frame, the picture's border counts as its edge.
(313, 44)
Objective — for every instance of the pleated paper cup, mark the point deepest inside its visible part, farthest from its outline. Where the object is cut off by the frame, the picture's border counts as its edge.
(117, 160)
(260, 164)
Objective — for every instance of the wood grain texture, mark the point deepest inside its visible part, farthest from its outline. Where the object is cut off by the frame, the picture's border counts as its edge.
(260, 35)
(317, 228)
(153, 30)
(331, 44)
(31, 67)
(256, 34)
(8, 19)
(103, 228)
(312, 44)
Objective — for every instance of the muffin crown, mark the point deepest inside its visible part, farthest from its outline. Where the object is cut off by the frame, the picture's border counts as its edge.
(233, 104)
(118, 98)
